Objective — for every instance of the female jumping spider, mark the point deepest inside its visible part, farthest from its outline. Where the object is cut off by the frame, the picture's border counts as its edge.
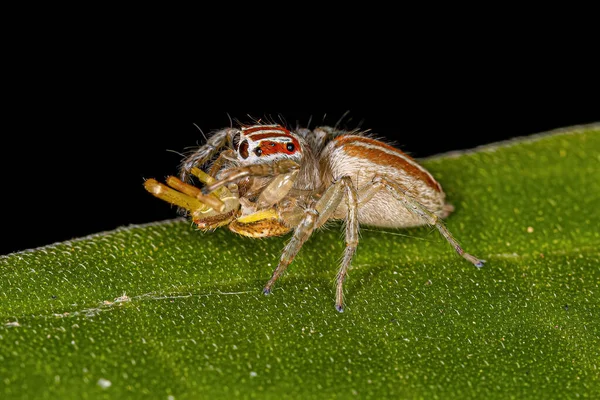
(265, 180)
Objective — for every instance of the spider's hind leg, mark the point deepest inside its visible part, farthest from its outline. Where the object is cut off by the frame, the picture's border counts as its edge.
(427, 216)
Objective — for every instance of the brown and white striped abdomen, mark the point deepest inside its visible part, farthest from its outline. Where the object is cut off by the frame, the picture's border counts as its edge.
(362, 159)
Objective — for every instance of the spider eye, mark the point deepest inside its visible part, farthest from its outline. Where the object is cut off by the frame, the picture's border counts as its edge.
(243, 150)
(258, 151)
(290, 147)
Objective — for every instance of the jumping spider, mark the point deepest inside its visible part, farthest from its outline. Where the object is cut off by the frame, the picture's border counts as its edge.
(265, 180)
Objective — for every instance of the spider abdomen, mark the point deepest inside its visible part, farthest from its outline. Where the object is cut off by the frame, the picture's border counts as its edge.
(365, 160)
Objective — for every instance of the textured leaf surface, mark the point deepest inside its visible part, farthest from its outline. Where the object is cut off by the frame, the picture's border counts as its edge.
(164, 311)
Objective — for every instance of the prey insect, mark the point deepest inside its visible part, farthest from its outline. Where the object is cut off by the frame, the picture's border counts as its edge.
(265, 180)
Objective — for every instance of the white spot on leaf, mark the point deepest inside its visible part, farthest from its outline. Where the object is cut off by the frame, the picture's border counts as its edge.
(104, 383)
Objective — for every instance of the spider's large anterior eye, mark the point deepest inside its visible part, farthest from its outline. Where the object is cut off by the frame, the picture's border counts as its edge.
(290, 147)
(244, 149)
(258, 151)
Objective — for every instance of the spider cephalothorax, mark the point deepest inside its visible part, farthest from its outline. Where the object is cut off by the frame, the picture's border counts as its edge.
(265, 180)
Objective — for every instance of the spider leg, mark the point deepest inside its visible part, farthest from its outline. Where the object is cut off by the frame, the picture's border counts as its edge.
(351, 240)
(430, 218)
(201, 156)
(226, 155)
(327, 206)
(313, 217)
(301, 234)
(316, 216)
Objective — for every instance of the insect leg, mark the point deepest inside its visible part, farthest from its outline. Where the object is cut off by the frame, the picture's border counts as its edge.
(207, 212)
(235, 174)
(173, 196)
(211, 200)
(276, 190)
(414, 206)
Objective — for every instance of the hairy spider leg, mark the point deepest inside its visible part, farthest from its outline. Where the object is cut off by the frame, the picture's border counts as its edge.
(301, 233)
(315, 217)
(226, 155)
(351, 239)
(417, 208)
(206, 152)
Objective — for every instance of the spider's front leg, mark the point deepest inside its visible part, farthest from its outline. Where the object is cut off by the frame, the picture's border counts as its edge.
(315, 217)
(205, 153)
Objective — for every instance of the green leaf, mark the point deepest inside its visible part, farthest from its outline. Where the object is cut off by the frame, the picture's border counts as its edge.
(164, 311)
